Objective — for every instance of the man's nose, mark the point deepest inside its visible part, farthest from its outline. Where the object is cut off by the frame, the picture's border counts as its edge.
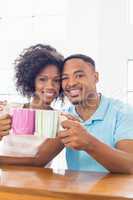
(72, 81)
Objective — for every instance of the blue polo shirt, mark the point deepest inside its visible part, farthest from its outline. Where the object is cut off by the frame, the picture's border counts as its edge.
(112, 122)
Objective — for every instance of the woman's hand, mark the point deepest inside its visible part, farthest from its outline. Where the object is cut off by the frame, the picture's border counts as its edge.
(5, 125)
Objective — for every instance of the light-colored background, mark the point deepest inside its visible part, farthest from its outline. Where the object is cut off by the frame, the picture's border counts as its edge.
(102, 29)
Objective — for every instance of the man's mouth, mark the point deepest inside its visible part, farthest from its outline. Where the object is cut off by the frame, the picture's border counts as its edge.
(74, 92)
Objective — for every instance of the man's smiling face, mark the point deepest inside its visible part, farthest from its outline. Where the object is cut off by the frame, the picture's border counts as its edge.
(79, 80)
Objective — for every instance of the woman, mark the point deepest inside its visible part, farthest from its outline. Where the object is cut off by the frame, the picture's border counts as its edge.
(38, 77)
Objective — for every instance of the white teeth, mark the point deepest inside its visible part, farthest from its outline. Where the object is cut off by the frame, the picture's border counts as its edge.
(49, 94)
(74, 92)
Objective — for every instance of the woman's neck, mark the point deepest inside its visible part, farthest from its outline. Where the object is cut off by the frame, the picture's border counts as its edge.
(37, 104)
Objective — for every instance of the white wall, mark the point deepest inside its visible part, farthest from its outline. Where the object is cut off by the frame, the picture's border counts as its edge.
(115, 47)
(97, 28)
(82, 27)
(100, 29)
(25, 23)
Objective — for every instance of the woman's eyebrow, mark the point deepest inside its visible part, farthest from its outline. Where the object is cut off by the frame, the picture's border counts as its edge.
(42, 76)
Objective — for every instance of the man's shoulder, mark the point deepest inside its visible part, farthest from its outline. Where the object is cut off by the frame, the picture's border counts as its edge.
(119, 106)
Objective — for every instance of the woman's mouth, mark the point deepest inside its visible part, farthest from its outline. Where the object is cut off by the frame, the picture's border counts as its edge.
(48, 94)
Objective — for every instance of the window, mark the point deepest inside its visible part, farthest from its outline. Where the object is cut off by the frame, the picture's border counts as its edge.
(130, 11)
(130, 82)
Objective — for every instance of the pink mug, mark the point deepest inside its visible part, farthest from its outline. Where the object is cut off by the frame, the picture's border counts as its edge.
(23, 121)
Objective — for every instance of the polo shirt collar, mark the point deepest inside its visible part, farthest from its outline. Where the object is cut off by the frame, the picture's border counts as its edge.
(99, 113)
(101, 110)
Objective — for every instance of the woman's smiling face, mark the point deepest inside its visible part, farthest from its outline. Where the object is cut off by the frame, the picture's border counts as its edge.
(48, 83)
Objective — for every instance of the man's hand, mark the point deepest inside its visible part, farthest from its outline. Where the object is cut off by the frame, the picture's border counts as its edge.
(70, 117)
(74, 136)
(5, 125)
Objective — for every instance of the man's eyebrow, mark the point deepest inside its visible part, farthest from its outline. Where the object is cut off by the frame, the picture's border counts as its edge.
(78, 71)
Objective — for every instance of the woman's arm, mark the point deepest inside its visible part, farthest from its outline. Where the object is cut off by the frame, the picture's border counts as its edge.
(46, 152)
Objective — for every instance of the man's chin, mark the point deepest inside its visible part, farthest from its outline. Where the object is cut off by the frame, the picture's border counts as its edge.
(75, 101)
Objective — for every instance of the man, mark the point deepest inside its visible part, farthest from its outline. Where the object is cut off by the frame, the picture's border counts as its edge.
(103, 139)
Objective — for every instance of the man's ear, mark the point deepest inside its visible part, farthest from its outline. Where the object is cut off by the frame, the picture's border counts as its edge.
(96, 77)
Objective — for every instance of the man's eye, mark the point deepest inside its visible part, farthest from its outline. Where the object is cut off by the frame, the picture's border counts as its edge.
(79, 75)
(64, 78)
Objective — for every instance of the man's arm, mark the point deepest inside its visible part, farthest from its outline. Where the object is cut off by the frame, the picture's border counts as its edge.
(116, 160)
(46, 152)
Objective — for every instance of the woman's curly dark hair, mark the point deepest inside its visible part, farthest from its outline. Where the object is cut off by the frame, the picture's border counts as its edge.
(31, 62)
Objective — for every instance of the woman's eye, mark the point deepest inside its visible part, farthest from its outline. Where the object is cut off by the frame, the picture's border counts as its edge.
(57, 80)
(42, 79)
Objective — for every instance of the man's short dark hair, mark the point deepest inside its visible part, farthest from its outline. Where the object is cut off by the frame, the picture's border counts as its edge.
(82, 57)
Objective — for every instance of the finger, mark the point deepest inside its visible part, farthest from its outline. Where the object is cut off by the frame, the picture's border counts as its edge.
(6, 127)
(5, 122)
(68, 124)
(63, 134)
(70, 117)
(6, 116)
(66, 141)
(4, 133)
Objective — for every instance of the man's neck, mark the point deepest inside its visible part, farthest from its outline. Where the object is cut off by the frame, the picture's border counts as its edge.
(86, 109)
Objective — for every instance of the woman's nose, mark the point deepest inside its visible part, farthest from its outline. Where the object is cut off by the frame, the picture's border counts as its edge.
(49, 84)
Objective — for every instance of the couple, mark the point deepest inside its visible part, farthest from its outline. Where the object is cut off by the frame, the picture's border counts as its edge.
(101, 139)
